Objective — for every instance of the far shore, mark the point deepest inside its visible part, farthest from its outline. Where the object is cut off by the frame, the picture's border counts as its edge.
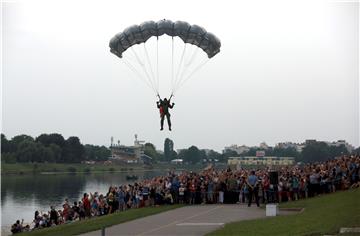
(79, 168)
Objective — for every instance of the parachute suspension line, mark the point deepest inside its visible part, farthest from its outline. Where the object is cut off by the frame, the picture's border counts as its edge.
(179, 67)
(145, 70)
(193, 56)
(150, 65)
(157, 62)
(137, 57)
(187, 65)
(132, 68)
(172, 63)
(139, 74)
(191, 74)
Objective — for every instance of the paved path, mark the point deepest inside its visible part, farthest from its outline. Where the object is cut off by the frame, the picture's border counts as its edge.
(189, 220)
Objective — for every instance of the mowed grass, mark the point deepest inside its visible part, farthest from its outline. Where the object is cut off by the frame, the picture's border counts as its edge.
(97, 223)
(322, 215)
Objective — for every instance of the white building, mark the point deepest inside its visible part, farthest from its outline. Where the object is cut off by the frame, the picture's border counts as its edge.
(262, 161)
(263, 145)
(338, 143)
(238, 149)
(298, 146)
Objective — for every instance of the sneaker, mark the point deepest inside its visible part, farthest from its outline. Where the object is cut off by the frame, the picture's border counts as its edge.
(161, 128)
(170, 129)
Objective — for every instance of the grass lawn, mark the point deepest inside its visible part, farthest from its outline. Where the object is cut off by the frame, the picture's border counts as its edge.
(97, 223)
(322, 215)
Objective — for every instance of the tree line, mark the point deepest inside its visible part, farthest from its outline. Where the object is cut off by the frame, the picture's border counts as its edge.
(312, 152)
(52, 148)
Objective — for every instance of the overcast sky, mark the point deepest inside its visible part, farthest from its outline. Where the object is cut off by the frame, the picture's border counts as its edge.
(287, 71)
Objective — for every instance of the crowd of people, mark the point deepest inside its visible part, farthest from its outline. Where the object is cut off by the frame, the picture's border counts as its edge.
(210, 186)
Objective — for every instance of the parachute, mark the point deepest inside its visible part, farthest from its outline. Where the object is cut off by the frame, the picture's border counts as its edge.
(139, 34)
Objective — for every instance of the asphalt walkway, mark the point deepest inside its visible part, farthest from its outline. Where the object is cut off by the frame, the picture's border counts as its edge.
(188, 220)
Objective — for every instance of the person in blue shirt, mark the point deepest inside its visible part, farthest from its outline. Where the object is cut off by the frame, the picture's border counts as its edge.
(252, 182)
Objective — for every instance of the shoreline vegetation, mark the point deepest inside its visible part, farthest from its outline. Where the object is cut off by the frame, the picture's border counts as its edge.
(79, 168)
(97, 223)
(322, 215)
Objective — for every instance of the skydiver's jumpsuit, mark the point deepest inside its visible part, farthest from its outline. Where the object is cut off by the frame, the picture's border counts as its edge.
(165, 105)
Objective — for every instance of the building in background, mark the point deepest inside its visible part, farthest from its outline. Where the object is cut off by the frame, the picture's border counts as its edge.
(238, 149)
(261, 161)
(129, 154)
(338, 143)
(284, 145)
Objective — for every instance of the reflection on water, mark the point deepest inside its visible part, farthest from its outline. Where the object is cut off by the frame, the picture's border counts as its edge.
(23, 195)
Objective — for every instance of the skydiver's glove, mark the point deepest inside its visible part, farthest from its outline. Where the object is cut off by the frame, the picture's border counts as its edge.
(173, 104)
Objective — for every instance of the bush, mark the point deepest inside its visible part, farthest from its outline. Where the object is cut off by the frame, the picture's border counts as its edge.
(111, 169)
(71, 169)
(87, 170)
(8, 158)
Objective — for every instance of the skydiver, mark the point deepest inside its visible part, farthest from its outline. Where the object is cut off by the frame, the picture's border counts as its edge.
(164, 106)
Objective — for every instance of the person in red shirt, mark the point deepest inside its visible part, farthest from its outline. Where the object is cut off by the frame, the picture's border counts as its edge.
(86, 203)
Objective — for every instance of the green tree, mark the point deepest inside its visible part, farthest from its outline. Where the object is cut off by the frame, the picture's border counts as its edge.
(150, 150)
(251, 152)
(316, 151)
(16, 140)
(286, 152)
(47, 139)
(27, 151)
(57, 151)
(191, 155)
(8, 157)
(168, 149)
(73, 151)
(44, 154)
(335, 151)
(5, 144)
(213, 155)
(174, 155)
(202, 155)
(96, 153)
(225, 156)
(356, 151)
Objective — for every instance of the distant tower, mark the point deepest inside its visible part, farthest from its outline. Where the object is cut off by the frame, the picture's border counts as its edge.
(118, 142)
(112, 141)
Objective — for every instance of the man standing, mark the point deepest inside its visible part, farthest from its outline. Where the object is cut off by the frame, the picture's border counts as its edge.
(164, 106)
(252, 182)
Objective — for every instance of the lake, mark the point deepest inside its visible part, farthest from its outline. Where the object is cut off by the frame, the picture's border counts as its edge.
(22, 195)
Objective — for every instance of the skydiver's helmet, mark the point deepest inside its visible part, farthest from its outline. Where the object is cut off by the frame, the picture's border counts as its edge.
(165, 100)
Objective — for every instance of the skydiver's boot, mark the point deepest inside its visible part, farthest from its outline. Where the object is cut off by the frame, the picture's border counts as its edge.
(161, 128)
(170, 128)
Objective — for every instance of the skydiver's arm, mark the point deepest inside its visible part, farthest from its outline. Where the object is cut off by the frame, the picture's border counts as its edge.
(158, 103)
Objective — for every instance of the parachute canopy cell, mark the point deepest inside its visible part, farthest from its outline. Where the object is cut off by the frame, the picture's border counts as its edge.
(192, 34)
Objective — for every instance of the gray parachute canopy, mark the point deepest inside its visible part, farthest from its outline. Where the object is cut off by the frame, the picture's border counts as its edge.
(192, 34)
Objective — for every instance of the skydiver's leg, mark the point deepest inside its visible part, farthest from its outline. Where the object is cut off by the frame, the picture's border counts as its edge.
(162, 122)
(168, 120)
